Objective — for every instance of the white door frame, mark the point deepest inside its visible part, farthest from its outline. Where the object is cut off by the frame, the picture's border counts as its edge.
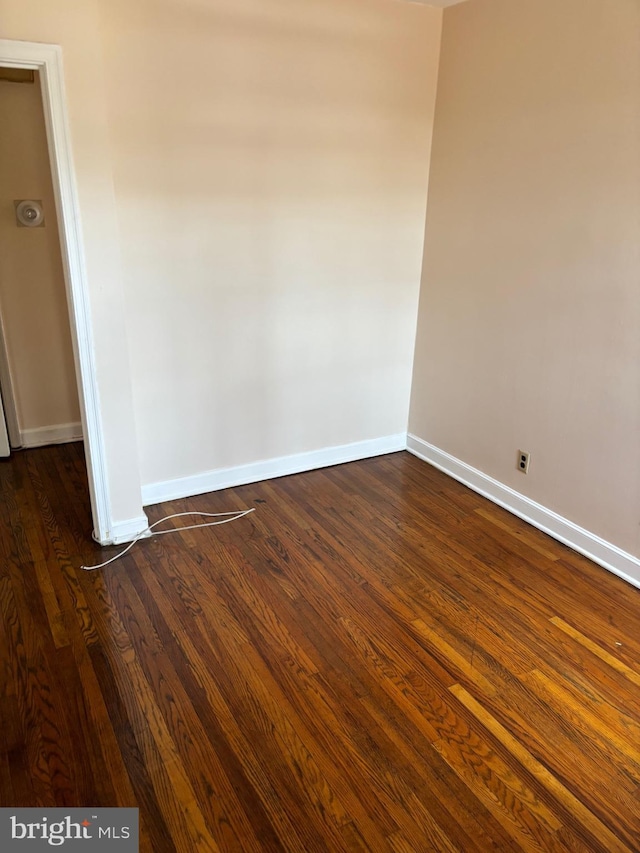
(47, 60)
(8, 391)
(5, 449)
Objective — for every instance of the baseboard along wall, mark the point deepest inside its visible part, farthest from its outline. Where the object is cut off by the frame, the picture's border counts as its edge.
(57, 434)
(226, 478)
(604, 553)
(126, 531)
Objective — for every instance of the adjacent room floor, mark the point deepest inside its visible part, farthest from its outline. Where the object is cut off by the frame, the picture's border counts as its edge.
(376, 659)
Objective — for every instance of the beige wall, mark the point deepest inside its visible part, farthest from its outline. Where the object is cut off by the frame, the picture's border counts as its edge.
(529, 317)
(32, 292)
(271, 165)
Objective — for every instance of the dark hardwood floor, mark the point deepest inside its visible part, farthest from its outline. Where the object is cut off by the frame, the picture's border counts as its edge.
(376, 659)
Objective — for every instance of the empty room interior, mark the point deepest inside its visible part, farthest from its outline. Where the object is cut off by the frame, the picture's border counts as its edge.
(343, 297)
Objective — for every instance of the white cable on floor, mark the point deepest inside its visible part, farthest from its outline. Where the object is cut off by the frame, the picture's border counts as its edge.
(145, 533)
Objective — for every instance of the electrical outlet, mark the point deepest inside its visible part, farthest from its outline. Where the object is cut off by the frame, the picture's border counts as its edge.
(523, 461)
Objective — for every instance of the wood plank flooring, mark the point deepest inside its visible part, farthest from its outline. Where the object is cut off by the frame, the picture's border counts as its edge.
(376, 659)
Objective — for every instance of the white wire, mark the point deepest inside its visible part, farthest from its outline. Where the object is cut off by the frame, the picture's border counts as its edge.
(144, 535)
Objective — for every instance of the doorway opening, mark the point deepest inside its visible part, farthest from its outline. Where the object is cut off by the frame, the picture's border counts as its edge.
(46, 60)
(37, 371)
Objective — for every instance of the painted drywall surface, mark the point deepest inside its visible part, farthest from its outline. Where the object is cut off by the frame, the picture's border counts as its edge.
(271, 166)
(32, 291)
(75, 25)
(530, 306)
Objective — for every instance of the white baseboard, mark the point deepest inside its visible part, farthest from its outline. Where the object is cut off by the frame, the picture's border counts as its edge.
(225, 478)
(609, 556)
(58, 434)
(125, 531)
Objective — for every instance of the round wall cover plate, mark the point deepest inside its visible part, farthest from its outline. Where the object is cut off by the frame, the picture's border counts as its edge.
(29, 213)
